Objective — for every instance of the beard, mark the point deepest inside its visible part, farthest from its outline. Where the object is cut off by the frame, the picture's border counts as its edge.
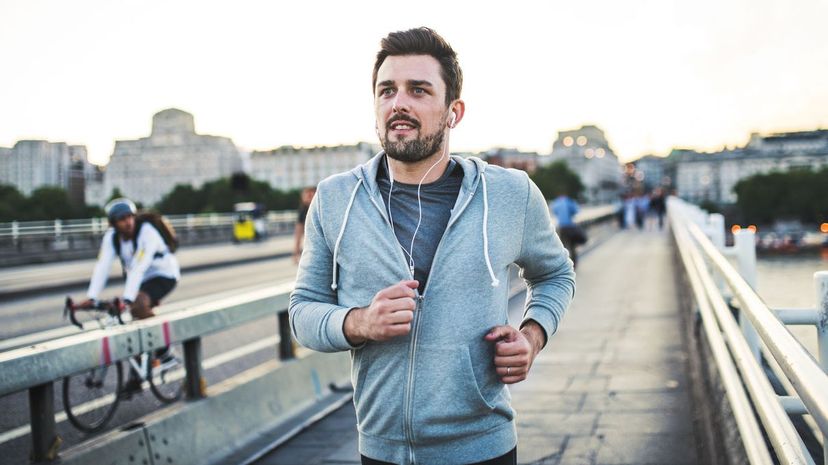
(414, 149)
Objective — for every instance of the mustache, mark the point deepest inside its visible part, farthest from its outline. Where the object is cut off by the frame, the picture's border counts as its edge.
(401, 117)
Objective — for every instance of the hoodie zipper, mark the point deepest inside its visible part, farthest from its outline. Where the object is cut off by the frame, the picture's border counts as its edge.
(408, 426)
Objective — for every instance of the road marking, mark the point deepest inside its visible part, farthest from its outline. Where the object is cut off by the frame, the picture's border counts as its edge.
(208, 364)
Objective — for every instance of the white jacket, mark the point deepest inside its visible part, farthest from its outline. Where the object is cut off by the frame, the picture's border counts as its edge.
(153, 259)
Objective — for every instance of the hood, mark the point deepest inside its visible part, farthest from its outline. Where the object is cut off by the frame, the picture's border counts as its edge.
(474, 170)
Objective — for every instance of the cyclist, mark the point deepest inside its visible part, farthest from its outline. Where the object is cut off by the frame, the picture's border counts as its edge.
(150, 268)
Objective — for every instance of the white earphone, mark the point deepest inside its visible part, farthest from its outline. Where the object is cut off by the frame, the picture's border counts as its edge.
(410, 251)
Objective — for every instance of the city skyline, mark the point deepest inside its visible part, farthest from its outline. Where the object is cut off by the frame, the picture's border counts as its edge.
(652, 75)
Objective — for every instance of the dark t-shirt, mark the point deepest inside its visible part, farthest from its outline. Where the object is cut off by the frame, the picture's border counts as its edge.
(437, 199)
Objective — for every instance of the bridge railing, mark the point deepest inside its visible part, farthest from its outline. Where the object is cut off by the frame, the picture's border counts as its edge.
(35, 368)
(739, 345)
(17, 230)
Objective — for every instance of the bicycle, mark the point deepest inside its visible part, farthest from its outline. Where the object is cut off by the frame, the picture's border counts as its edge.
(90, 398)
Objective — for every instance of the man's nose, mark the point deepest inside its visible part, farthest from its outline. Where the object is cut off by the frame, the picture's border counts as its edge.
(401, 103)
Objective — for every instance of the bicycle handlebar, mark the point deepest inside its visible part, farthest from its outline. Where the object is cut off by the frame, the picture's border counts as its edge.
(113, 308)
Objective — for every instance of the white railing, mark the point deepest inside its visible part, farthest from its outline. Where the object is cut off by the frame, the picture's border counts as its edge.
(740, 346)
(94, 226)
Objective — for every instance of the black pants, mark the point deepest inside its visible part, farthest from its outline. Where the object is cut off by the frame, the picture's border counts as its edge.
(509, 458)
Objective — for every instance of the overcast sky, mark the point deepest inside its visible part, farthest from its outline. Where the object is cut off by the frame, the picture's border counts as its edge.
(652, 74)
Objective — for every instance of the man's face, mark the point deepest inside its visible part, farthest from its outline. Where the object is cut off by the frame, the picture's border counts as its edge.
(126, 225)
(410, 107)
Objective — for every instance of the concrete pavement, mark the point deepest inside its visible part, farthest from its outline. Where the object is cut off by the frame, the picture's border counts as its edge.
(611, 386)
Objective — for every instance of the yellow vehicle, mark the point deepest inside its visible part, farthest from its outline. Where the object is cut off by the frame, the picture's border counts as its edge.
(249, 224)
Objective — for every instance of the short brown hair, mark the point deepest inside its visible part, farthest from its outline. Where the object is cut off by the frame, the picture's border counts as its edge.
(423, 41)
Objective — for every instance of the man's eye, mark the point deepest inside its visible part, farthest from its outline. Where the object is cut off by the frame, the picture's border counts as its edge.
(419, 90)
(386, 91)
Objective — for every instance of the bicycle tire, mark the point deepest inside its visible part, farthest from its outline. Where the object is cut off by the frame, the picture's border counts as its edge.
(167, 387)
(91, 386)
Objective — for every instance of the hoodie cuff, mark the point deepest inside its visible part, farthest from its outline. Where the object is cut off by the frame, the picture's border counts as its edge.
(336, 329)
(543, 318)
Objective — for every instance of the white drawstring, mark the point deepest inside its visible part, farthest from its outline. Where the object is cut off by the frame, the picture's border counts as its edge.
(495, 281)
(342, 231)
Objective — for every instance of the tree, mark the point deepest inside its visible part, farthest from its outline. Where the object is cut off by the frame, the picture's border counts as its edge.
(556, 179)
(794, 195)
(48, 203)
(221, 195)
(12, 203)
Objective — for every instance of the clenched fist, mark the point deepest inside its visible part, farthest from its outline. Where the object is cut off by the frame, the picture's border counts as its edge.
(389, 315)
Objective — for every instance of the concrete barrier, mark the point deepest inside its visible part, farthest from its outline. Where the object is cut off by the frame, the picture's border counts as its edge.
(233, 414)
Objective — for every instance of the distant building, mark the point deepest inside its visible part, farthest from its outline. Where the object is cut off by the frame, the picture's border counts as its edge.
(512, 158)
(654, 171)
(712, 176)
(290, 167)
(32, 164)
(148, 168)
(587, 153)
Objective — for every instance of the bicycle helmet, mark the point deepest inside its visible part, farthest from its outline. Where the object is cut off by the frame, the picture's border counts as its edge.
(119, 208)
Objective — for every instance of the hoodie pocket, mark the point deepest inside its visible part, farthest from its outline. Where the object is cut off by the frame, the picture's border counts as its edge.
(379, 388)
(448, 403)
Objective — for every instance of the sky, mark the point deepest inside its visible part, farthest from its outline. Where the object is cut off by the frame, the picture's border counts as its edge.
(653, 75)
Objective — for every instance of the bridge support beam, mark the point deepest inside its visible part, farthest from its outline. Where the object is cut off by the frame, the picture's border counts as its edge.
(45, 441)
(286, 349)
(194, 385)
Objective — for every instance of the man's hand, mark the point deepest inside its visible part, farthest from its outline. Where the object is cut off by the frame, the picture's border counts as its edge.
(515, 350)
(389, 315)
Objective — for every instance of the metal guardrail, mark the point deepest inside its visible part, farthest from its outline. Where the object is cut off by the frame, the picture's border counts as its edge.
(59, 228)
(759, 332)
(36, 367)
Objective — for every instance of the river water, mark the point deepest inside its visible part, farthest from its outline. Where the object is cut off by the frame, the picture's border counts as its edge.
(788, 282)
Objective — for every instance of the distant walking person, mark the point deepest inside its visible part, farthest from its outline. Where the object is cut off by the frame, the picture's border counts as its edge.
(299, 229)
(658, 206)
(564, 208)
(145, 245)
(405, 265)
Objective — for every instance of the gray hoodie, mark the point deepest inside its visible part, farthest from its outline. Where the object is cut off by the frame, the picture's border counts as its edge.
(433, 396)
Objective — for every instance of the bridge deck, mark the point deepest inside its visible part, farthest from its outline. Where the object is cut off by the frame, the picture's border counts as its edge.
(611, 386)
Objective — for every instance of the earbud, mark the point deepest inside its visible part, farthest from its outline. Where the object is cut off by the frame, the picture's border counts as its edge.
(453, 119)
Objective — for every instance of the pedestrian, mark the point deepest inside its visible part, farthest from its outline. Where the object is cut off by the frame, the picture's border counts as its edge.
(305, 199)
(658, 205)
(565, 208)
(405, 265)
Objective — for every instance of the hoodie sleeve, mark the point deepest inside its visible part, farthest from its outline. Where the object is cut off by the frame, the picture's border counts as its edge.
(315, 318)
(545, 266)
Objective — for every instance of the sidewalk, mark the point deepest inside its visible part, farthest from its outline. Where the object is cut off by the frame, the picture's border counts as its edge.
(610, 387)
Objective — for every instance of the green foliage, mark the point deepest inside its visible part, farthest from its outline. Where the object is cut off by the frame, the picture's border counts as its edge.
(795, 195)
(556, 179)
(45, 203)
(222, 194)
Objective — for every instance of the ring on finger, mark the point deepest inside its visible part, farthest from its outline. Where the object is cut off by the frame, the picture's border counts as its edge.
(508, 371)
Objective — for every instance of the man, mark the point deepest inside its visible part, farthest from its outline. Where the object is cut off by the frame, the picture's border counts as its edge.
(571, 235)
(150, 267)
(405, 264)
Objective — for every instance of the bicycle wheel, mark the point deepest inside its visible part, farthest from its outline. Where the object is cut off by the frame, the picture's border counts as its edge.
(91, 397)
(166, 380)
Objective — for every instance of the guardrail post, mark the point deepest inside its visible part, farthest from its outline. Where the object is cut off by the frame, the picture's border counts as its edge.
(58, 228)
(744, 242)
(194, 385)
(45, 441)
(286, 349)
(821, 284)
